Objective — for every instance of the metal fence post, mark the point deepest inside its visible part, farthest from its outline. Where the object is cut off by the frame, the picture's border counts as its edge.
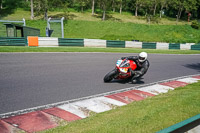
(62, 27)
(24, 21)
(48, 23)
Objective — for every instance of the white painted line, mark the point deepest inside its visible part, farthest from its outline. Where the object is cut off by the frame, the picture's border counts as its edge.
(156, 89)
(189, 80)
(110, 101)
(74, 110)
(93, 105)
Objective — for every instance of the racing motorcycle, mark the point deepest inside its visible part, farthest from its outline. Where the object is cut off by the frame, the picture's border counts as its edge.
(122, 70)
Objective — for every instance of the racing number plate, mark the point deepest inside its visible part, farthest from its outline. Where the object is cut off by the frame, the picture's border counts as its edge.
(124, 70)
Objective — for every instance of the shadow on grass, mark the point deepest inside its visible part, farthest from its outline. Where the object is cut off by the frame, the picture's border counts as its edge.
(66, 15)
(6, 12)
(108, 17)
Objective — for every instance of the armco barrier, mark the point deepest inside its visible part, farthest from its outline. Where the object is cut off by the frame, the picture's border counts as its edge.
(195, 47)
(133, 44)
(186, 46)
(48, 42)
(70, 42)
(94, 43)
(118, 44)
(147, 45)
(54, 42)
(13, 41)
(174, 46)
(160, 45)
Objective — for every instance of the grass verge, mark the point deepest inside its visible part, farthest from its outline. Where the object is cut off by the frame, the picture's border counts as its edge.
(109, 30)
(90, 49)
(148, 116)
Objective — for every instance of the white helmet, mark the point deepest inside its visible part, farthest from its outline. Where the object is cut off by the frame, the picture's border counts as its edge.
(142, 56)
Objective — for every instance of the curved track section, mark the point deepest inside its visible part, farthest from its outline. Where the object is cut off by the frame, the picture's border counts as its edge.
(34, 79)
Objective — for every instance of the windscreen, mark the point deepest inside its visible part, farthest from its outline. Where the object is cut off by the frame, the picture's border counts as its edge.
(125, 63)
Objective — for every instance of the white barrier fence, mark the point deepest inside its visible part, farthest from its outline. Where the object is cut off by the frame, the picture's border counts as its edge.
(94, 43)
(53, 42)
(131, 44)
(47, 42)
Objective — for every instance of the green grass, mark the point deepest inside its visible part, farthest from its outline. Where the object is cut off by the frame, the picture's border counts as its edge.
(17, 14)
(147, 116)
(90, 49)
(117, 27)
(109, 30)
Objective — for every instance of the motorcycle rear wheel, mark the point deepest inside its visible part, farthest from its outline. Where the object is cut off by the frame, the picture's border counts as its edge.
(110, 75)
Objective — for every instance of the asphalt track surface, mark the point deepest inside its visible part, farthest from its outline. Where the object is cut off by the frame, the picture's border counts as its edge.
(33, 79)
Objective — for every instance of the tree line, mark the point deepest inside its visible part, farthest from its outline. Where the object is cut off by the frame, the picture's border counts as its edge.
(179, 9)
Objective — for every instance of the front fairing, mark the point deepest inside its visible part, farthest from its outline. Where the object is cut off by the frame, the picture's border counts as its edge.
(123, 65)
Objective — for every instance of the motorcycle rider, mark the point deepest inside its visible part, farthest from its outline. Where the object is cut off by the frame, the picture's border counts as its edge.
(142, 66)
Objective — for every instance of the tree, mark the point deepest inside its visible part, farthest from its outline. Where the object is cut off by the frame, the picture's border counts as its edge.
(163, 4)
(1, 5)
(117, 4)
(45, 9)
(198, 10)
(83, 3)
(149, 8)
(11, 4)
(105, 4)
(41, 7)
(190, 5)
(180, 8)
(126, 5)
(155, 3)
(148, 5)
(120, 8)
(32, 10)
(93, 3)
(138, 4)
(113, 5)
(181, 5)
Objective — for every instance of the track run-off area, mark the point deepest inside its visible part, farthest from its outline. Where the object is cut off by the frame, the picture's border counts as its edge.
(29, 80)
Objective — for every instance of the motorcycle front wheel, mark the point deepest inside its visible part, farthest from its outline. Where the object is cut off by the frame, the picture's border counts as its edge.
(110, 75)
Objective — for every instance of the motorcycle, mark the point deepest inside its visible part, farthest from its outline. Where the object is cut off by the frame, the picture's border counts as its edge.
(122, 70)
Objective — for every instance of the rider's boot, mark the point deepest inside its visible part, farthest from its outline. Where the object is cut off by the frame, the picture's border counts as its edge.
(133, 79)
